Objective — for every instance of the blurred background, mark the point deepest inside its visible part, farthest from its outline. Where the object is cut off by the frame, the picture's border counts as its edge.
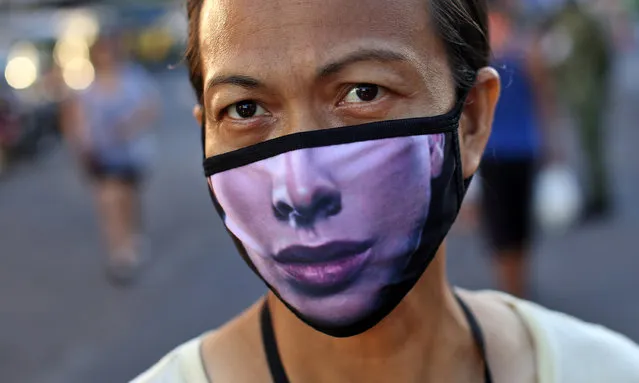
(62, 320)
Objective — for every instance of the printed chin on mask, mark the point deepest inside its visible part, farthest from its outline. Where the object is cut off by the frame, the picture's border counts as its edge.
(341, 223)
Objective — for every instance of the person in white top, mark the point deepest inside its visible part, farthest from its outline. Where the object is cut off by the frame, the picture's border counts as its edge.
(339, 139)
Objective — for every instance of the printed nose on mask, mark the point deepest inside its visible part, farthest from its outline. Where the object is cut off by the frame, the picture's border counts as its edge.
(303, 194)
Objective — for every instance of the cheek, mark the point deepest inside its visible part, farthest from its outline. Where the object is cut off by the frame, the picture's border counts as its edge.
(245, 199)
(392, 191)
(210, 146)
(231, 189)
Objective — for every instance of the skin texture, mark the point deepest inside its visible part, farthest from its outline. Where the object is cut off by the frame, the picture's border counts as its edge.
(278, 52)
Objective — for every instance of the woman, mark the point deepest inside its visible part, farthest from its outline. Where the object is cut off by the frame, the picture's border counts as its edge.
(339, 192)
(107, 125)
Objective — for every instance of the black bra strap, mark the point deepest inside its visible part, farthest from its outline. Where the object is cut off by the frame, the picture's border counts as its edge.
(478, 336)
(270, 346)
(277, 368)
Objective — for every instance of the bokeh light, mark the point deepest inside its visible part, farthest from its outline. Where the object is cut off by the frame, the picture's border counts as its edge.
(78, 73)
(22, 66)
(155, 43)
(21, 72)
(69, 48)
(80, 24)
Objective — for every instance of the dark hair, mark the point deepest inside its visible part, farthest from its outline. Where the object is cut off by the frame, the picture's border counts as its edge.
(461, 24)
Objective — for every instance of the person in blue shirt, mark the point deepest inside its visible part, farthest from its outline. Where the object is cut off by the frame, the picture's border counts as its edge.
(516, 146)
(108, 126)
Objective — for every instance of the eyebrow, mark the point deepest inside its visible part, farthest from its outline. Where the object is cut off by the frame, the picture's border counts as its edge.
(237, 80)
(327, 70)
(381, 55)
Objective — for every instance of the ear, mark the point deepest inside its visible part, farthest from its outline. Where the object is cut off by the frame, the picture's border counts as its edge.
(436, 145)
(198, 114)
(477, 119)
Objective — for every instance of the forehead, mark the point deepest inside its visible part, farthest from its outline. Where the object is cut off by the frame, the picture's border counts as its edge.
(270, 32)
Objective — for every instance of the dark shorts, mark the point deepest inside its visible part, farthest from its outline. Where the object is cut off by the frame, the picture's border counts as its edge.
(507, 190)
(98, 170)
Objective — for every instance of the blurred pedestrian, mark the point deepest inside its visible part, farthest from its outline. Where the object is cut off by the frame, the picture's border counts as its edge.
(580, 52)
(108, 126)
(516, 146)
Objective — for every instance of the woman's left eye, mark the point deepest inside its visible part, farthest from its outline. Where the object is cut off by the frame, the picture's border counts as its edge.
(244, 110)
(363, 93)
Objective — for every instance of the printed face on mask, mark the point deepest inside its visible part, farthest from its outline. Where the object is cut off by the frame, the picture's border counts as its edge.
(330, 227)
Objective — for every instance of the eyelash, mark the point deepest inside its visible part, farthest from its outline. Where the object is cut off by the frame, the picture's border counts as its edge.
(224, 112)
(380, 91)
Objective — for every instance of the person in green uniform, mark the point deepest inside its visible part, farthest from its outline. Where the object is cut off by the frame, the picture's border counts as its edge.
(582, 66)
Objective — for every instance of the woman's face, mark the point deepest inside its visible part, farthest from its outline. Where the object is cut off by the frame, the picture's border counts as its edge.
(328, 227)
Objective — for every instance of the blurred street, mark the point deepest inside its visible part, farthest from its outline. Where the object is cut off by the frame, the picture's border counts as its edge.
(61, 322)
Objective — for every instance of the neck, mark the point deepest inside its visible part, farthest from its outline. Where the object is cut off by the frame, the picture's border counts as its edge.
(425, 338)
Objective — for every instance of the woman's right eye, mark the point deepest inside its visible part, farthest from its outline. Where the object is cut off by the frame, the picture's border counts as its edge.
(244, 110)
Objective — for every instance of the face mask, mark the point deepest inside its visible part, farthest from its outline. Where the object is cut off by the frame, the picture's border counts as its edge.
(341, 223)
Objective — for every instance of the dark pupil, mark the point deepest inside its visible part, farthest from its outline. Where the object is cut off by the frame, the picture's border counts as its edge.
(246, 109)
(367, 92)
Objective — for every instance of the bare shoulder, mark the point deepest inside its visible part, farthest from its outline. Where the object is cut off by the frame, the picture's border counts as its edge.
(509, 344)
(233, 353)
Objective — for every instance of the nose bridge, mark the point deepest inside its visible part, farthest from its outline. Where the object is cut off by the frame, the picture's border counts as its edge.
(296, 176)
(303, 192)
(302, 178)
(304, 112)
